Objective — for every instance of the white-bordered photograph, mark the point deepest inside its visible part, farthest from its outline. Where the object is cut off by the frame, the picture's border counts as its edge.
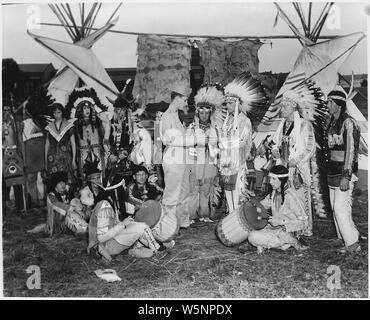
(175, 150)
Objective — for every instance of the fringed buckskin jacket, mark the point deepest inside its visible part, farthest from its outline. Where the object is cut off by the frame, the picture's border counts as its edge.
(291, 212)
(343, 140)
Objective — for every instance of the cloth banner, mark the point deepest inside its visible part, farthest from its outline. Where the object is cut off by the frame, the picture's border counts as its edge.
(34, 147)
(224, 60)
(161, 64)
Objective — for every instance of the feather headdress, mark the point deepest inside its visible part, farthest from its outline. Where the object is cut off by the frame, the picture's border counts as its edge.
(209, 96)
(81, 96)
(124, 99)
(310, 102)
(311, 105)
(251, 95)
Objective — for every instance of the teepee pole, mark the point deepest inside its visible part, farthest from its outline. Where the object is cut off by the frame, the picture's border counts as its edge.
(73, 21)
(304, 23)
(323, 21)
(91, 12)
(93, 20)
(65, 25)
(114, 12)
(309, 17)
(301, 38)
(82, 30)
(300, 15)
(315, 27)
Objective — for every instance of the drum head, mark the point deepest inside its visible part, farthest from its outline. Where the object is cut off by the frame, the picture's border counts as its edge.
(255, 214)
(150, 213)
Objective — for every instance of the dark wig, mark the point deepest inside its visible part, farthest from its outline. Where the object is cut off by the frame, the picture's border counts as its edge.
(279, 169)
(57, 106)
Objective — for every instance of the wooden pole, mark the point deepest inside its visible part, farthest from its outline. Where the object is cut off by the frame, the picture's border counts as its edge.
(309, 17)
(88, 18)
(300, 15)
(318, 20)
(70, 15)
(196, 36)
(114, 12)
(291, 26)
(323, 21)
(93, 20)
(66, 23)
(51, 6)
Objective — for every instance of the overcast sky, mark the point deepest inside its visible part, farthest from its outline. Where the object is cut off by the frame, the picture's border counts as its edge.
(117, 50)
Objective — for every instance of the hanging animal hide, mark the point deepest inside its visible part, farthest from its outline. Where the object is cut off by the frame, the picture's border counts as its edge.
(224, 60)
(161, 65)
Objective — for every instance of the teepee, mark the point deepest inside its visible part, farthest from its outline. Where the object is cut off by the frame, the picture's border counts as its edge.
(320, 62)
(78, 59)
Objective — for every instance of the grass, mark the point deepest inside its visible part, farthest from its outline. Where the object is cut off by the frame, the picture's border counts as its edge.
(199, 266)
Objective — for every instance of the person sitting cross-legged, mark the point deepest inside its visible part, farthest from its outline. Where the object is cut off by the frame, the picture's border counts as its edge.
(109, 237)
(288, 218)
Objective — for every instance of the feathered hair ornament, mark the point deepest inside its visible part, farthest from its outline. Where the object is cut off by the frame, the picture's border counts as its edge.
(340, 97)
(39, 107)
(209, 96)
(310, 102)
(250, 94)
(91, 166)
(124, 99)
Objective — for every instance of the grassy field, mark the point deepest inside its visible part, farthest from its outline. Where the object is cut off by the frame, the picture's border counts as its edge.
(199, 266)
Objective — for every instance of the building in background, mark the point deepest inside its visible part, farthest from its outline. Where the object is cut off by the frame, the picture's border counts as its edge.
(36, 74)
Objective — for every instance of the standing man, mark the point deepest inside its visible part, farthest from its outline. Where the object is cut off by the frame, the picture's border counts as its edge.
(176, 170)
(245, 101)
(204, 171)
(297, 137)
(343, 140)
(118, 164)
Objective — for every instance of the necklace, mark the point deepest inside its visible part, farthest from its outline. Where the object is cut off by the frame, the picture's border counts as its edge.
(60, 126)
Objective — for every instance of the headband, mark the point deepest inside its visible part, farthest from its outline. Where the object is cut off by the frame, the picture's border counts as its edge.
(232, 98)
(79, 100)
(337, 98)
(282, 175)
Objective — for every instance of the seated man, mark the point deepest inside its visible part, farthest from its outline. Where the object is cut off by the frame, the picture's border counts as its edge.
(141, 190)
(288, 215)
(109, 237)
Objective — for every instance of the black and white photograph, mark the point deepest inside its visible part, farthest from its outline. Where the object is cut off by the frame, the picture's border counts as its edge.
(176, 150)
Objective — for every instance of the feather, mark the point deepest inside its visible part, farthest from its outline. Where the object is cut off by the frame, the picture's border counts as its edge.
(209, 95)
(251, 94)
(316, 196)
(319, 186)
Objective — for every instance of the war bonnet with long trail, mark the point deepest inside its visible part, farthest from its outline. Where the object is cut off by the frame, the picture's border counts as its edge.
(309, 99)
